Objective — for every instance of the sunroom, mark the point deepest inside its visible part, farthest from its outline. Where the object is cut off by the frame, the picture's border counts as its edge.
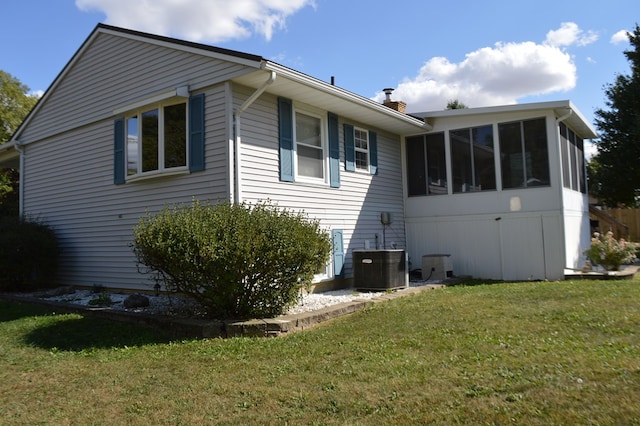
(502, 190)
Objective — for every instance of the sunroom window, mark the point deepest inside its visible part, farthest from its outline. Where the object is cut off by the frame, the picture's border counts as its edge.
(524, 154)
(426, 165)
(157, 139)
(472, 157)
(572, 150)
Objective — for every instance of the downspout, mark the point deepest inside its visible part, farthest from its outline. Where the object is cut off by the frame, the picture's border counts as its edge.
(20, 149)
(237, 198)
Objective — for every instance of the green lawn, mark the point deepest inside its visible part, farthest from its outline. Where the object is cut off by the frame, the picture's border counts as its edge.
(562, 353)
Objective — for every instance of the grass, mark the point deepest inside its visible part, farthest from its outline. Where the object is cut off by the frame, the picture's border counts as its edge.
(523, 353)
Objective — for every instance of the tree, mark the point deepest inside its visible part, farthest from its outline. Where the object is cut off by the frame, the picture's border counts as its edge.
(15, 104)
(615, 174)
(456, 104)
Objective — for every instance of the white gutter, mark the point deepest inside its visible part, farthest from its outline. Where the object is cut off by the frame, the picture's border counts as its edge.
(564, 117)
(237, 196)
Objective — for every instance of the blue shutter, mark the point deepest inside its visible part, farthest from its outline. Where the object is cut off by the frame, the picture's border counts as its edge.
(349, 148)
(373, 152)
(285, 127)
(118, 151)
(196, 132)
(334, 151)
(338, 253)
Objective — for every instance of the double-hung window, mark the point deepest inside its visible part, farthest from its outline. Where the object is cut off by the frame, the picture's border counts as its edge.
(310, 146)
(361, 147)
(157, 139)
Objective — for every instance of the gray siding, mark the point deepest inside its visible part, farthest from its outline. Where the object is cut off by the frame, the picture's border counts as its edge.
(355, 207)
(93, 217)
(113, 72)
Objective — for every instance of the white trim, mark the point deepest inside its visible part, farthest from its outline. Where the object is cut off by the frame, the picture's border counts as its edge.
(323, 146)
(356, 150)
(181, 93)
(161, 170)
(158, 174)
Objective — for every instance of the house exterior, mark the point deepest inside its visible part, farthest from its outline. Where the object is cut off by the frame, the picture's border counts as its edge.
(500, 189)
(136, 121)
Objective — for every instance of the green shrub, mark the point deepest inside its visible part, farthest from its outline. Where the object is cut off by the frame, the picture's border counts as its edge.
(28, 255)
(237, 260)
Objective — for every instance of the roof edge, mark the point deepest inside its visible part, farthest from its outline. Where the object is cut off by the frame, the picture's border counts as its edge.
(342, 93)
(105, 28)
(241, 57)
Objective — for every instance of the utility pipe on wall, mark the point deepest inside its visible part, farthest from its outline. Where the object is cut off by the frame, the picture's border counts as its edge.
(237, 198)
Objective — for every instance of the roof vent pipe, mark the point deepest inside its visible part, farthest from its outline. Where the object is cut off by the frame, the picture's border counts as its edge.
(388, 91)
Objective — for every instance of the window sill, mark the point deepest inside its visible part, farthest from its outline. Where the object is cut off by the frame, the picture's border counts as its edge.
(158, 174)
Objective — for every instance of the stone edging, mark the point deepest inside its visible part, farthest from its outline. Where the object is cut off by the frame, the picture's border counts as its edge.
(200, 328)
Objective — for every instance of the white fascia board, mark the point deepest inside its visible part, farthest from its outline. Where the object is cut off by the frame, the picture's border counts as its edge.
(556, 106)
(346, 95)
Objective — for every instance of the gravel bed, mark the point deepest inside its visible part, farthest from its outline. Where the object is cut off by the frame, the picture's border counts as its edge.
(180, 306)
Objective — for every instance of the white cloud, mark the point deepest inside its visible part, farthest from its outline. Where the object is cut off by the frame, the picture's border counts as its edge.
(569, 34)
(199, 20)
(37, 93)
(497, 75)
(620, 37)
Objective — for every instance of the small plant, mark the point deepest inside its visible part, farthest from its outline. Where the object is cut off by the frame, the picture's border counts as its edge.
(610, 253)
(103, 299)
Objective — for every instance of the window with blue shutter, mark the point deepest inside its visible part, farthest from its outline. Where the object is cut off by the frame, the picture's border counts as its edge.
(162, 137)
(334, 151)
(360, 149)
(285, 127)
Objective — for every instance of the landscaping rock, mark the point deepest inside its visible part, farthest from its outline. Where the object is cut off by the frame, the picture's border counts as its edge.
(58, 291)
(136, 301)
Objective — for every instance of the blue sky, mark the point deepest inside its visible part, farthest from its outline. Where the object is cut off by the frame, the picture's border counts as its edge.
(481, 53)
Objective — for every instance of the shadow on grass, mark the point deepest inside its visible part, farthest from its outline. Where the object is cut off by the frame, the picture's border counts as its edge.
(78, 333)
(11, 311)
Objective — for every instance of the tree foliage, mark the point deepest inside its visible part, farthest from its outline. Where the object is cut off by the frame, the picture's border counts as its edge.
(15, 104)
(615, 172)
(456, 104)
(237, 260)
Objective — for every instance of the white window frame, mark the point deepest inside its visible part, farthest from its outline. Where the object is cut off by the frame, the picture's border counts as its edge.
(323, 146)
(161, 170)
(356, 149)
